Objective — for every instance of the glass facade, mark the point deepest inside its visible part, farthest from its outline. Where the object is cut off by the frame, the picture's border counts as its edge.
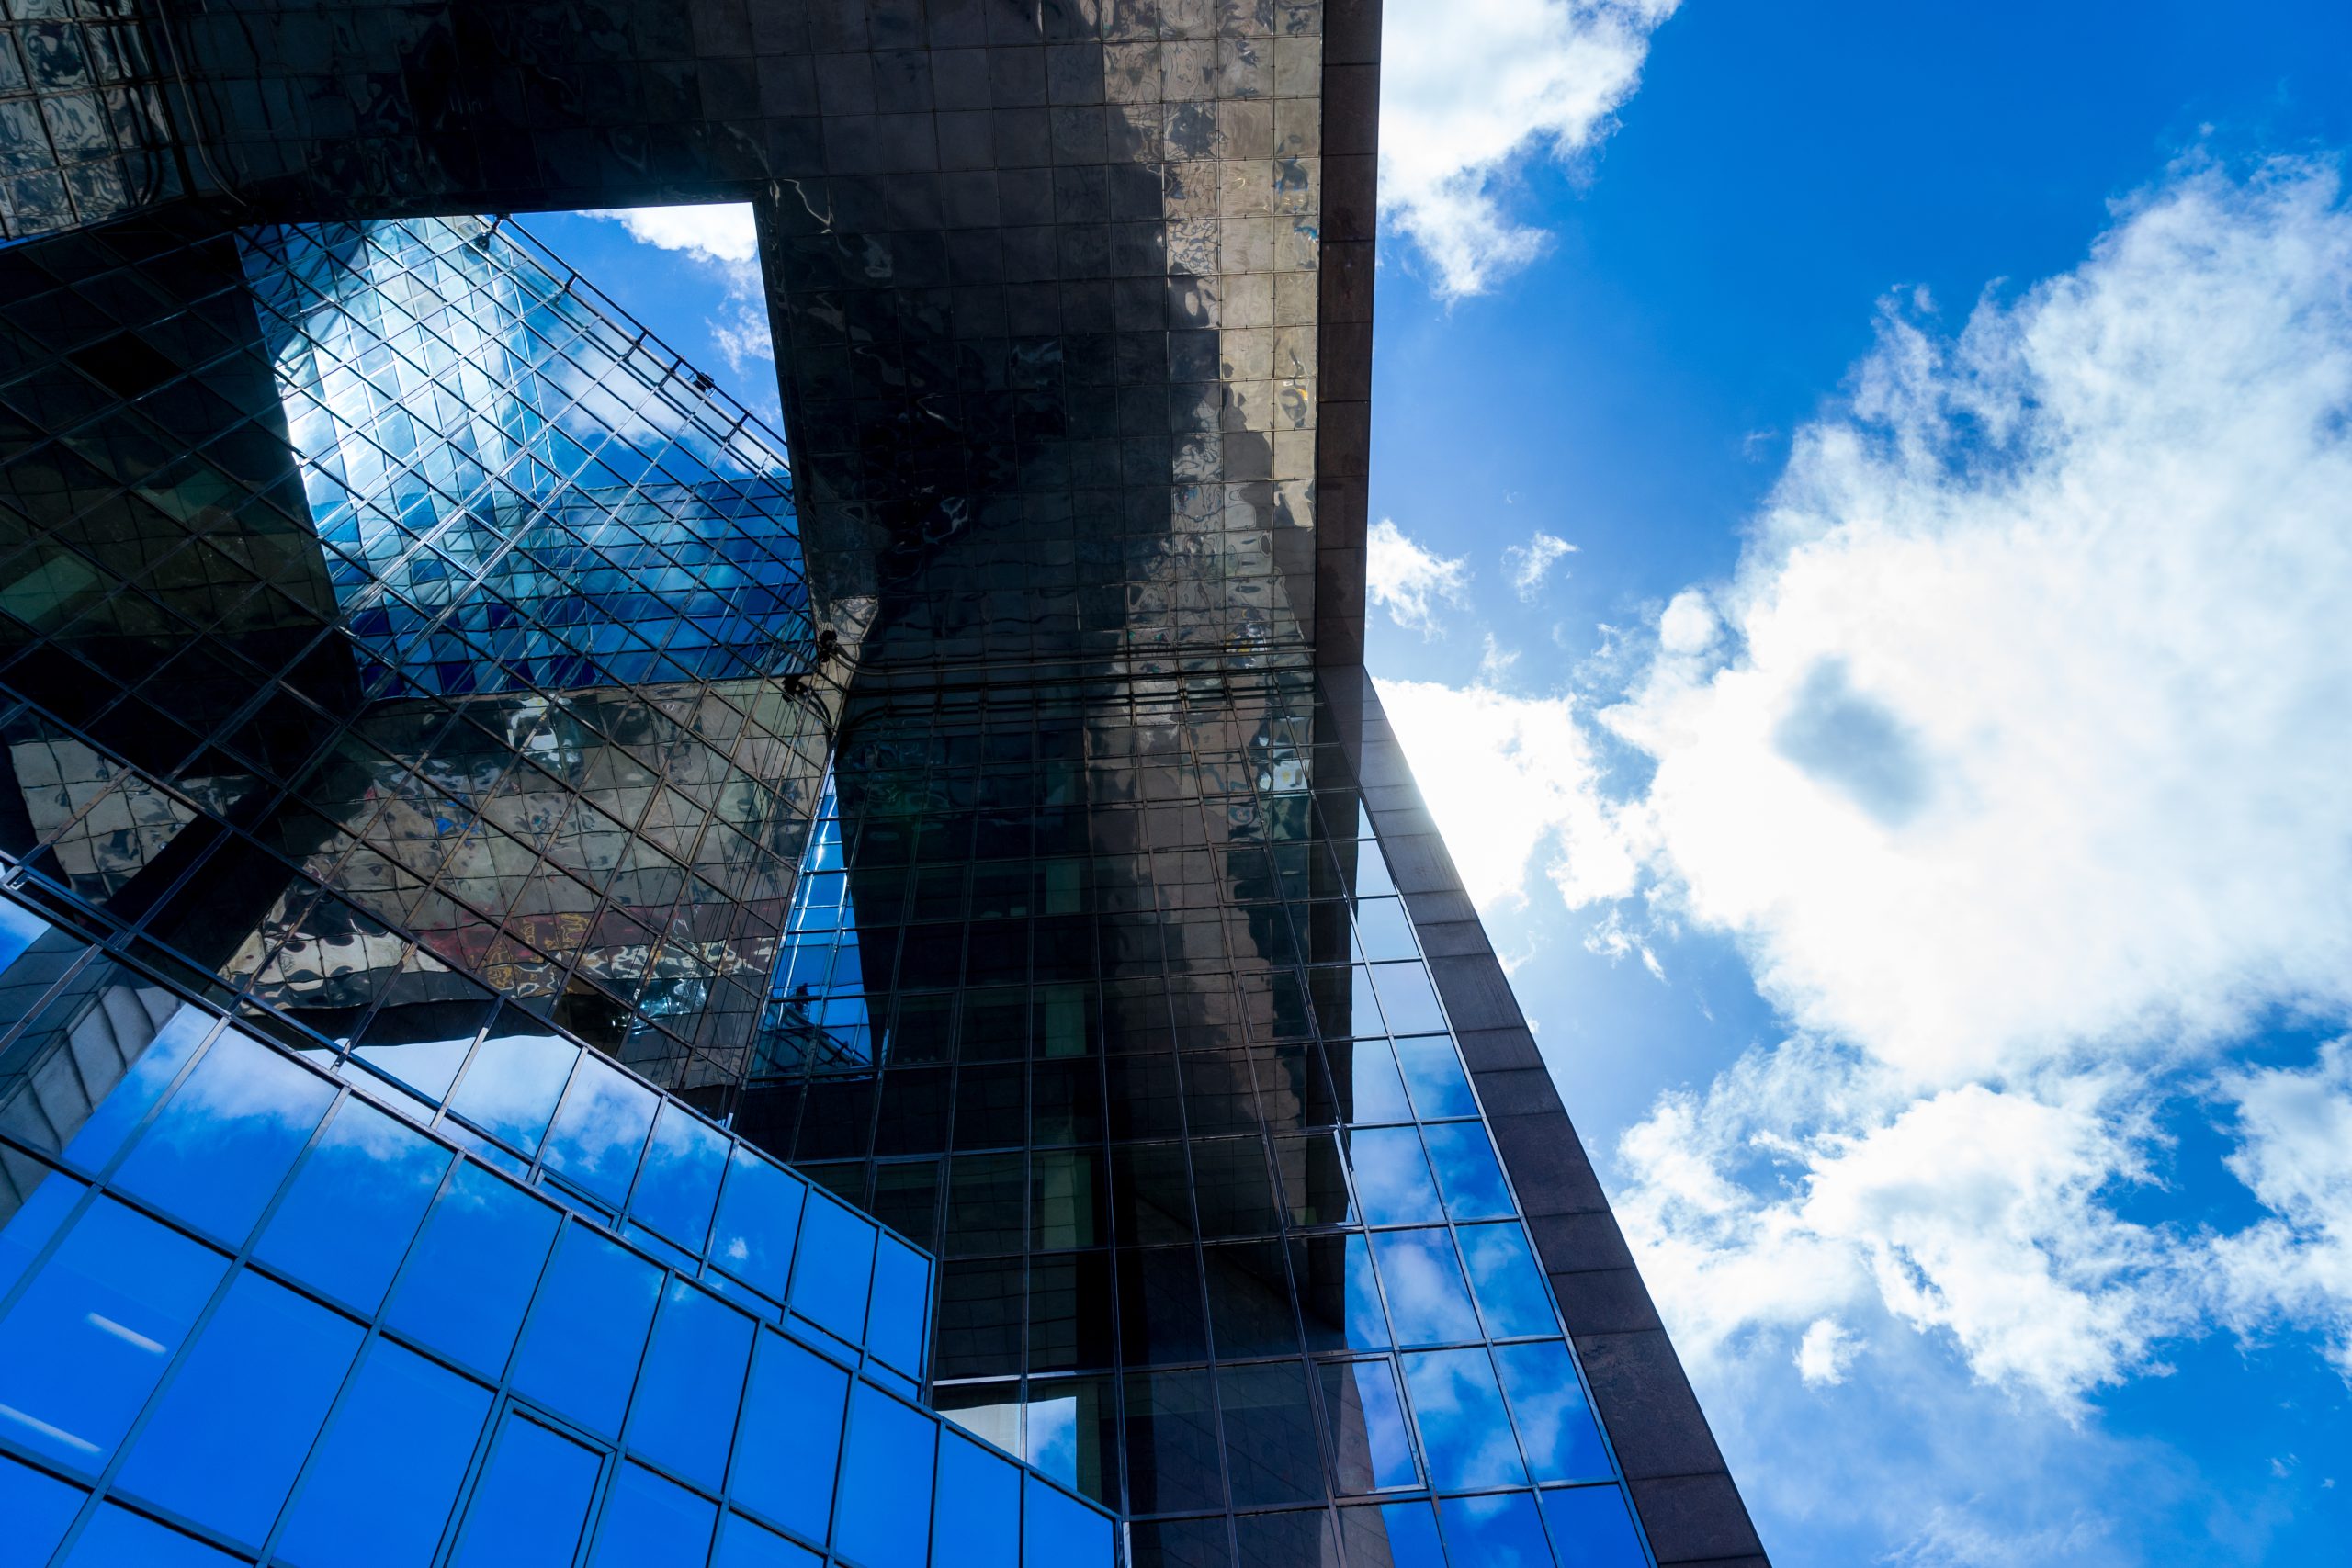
(575, 995)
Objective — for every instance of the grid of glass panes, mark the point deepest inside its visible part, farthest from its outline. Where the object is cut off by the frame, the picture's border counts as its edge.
(84, 132)
(188, 738)
(248, 1310)
(518, 488)
(1224, 1240)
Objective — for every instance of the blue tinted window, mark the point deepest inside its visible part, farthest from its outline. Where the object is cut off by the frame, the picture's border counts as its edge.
(1367, 1324)
(227, 1436)
(884, 1470)
(587, 1332)
(378, 1488)
(895, 1330)
(791, 1441)
(84, 1346)
(1057, 1528)
(1555, 1422)
(1427, 1301)
(1383, 930)
(121, 1539)
(1368, 1423)
(227, 1138)
(1403, 1535)
(600, 1131)
(517, 1076)
(28, 1230)
(1511, 1288)
(424, 1066)
(1393, 1185)
(1465, 1434)
(837, 1267)
(678, 1184)
(1407, 998)
(113, 1118)
(38, 1508)
(684, 1415)
(652, 1523)
(1466, 1166)
(742, 1544)
(1590, 1527)
(531, 1500)
(1433, 1071)
(19, 929)
(355, 1205)
(1368, 1086)
(1494, 1532)
(474, 1268)
(977, 1504)
(759, 1215)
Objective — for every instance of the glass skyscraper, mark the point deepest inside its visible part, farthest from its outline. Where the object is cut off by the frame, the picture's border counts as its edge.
(574, 994)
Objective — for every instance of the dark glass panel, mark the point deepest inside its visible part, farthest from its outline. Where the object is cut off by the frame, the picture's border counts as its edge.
(1249, 1306)
(1173, 1462)
(1161, 1314)
(1371, 1448)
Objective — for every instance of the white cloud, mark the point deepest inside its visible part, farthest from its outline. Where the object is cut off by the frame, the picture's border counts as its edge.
(724, 237)
(1529, 563)
(723, 232)
(1824, 1352)
(1511, 781)
(1410, 582)
(1470, 88)
(2013, 757)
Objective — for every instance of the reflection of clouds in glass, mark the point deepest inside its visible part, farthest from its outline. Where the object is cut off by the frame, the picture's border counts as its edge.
(1496, 1532)
(1464, 1430)
(511, 1086)
(1053, 1436)
(1427, 1300)
(1553, 1422)
(1393, 1176)
(604, 1121)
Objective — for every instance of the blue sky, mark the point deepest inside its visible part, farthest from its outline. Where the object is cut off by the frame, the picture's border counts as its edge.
(1908, 783)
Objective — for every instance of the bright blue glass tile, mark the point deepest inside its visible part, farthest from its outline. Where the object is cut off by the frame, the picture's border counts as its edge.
(1511, 1288)
(791, 1440)
(1360, 1398)
(227, 1436)
(531, 1502)
(1369, 1088)
(19, 929)
(1428, 1304)
(601, 1131)
(586, 1335)
(1465, 1436)
(355, 1205)
(1434, 1073)
(121, 1539)
(1591, 1529)
(678, 1185)
(652, 1523)
(1468, 1170)
(742, 1544)
(474, 1268)
(759, 1215)
(977, 1504)
(1393, 1185)
(1057, 1528)
(836, 1269)
(885, 1467)
(1494, 1532)
(1407, 998)
(425, 1066)
(895, 1330)
(513, 1083)
(36, 1220)
(1554, 1423)
(1411, 1529)
(378, 1488)
(85, 1343)
(36, 1508)
(113, 1118)
(227, 1138)
(684, 1415)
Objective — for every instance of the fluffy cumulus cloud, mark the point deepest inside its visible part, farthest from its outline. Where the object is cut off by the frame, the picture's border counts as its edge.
(723, 237)
(1469, 89)
(1414, 585)
(2013, 758)
(1530, 563)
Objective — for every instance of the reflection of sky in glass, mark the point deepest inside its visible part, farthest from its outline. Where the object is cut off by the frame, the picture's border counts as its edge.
(1494, 1532)
(817, 1010)
(1427, 1301)
(1590, 1527)
(1464, 1433)
(1392, 1177)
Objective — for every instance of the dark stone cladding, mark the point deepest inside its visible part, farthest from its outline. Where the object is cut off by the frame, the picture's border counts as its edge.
(1689, 1506)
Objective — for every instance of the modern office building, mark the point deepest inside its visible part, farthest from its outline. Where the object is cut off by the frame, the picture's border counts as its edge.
(576, 995)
